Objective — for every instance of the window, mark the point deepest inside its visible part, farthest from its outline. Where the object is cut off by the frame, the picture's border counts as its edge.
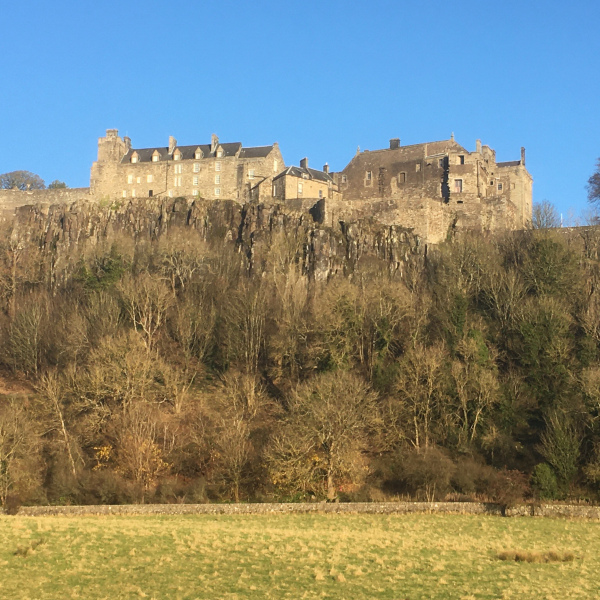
(418, 167)
(275, 165)
(461, 160)
(195, 180)
(176, 181)
(178, 168)
(198, 155)
(274, 190)
(320, 193)
(133, 193)
(194, 192)
(217, 179)
(251, 174)
(155, 158)
(129, 178)
(458, 186)
(217, 166)
(150, 192)
(499, 187)
(344, 179)
(134, 159)
(176, 156)
(196, 167)
(170, 193)
(217, 191)
(219, 153)
(441, 163)
(299, 188)
(124, 193)
(369, 175)
(138, 180)
(402, 178)
(492, 182)
(149, 179)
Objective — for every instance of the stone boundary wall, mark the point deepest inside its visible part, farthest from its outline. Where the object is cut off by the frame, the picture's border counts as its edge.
(11, 199)
(378, 508)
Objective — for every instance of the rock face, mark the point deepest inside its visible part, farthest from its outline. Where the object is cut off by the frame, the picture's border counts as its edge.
(324, 251)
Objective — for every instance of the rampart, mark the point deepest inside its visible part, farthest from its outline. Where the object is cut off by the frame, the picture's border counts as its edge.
(12, 199)
(373, 508)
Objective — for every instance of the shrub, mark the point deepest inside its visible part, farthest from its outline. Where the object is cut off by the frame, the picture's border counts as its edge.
(544, 483)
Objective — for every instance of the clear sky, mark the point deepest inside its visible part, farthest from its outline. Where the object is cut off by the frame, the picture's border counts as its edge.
(321, 78)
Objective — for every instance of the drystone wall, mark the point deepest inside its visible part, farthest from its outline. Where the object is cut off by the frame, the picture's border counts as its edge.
(378, 508)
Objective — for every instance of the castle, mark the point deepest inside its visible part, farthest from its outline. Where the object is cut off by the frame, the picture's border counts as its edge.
(429, 188)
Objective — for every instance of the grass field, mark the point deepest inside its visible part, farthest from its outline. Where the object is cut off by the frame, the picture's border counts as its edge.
(298, 556)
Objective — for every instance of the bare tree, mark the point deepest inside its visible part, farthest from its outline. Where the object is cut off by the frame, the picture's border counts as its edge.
(544, 215)
(593, 185)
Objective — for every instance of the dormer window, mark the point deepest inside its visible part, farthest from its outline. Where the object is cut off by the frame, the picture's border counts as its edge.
(177, 155)
(198, 154)
(219, 153)
(134, 157)
(155, 157)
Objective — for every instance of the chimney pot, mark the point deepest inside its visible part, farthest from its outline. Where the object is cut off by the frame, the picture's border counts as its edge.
(522, 156)
(394, 143)
(304, 163)
(326, 168)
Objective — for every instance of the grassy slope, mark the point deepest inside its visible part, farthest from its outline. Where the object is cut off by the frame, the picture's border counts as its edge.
(294, 556)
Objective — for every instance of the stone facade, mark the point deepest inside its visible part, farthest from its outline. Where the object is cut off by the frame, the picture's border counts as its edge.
(435, 186)
(431, 189)
(211, 171)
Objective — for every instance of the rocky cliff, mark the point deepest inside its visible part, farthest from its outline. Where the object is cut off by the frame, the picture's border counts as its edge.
(340, 247)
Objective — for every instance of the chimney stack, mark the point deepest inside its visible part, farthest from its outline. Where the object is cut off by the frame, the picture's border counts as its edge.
(214, 142)
(478, 146)
(304, 163)
(326, 168)
(522, 156)
(127, 141)
(394, 143)
(172, 144)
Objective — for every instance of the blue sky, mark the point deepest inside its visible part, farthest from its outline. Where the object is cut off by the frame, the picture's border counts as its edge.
(321, 78)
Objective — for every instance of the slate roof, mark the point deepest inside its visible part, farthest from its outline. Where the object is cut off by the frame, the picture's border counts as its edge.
(305, 173)
(510, 163)
(189, 152)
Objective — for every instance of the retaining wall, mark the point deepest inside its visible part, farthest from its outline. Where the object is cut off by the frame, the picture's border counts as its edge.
(474, 508)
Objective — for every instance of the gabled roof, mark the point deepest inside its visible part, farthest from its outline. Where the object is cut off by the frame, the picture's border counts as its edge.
(305, 173)
(189, 152)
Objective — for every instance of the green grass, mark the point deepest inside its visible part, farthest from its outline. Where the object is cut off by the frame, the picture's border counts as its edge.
(298, 556)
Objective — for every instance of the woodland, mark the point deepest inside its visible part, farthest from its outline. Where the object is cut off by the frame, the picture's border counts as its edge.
(168, 371)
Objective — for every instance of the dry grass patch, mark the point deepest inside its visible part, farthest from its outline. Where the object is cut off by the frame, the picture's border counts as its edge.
(536, 557)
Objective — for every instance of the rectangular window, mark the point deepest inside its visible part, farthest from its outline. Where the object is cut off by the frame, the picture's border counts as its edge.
(124, 193)
(194, 192)
(418, 167)
(134, 159)
(499, 187)
(219, 153)
(176, 181)
(217, 166)
(320, 193)
(129, 178)
(458, 186)
(369, 175)
(149, 179)
(155, 158)
(195, 180)
(176, 156)
(196, 167)
(251, 174)
(133, 193)
(461, 160)
(150, 193)
(344, 179)
(217, 179)
(170, 193)
(402, 178)
(138, 180)
(217, 191)
(275, 165)
(178, 168)
(299, 188)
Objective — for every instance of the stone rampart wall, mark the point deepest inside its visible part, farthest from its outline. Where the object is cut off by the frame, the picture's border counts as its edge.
(385, 508)
(11, 199)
